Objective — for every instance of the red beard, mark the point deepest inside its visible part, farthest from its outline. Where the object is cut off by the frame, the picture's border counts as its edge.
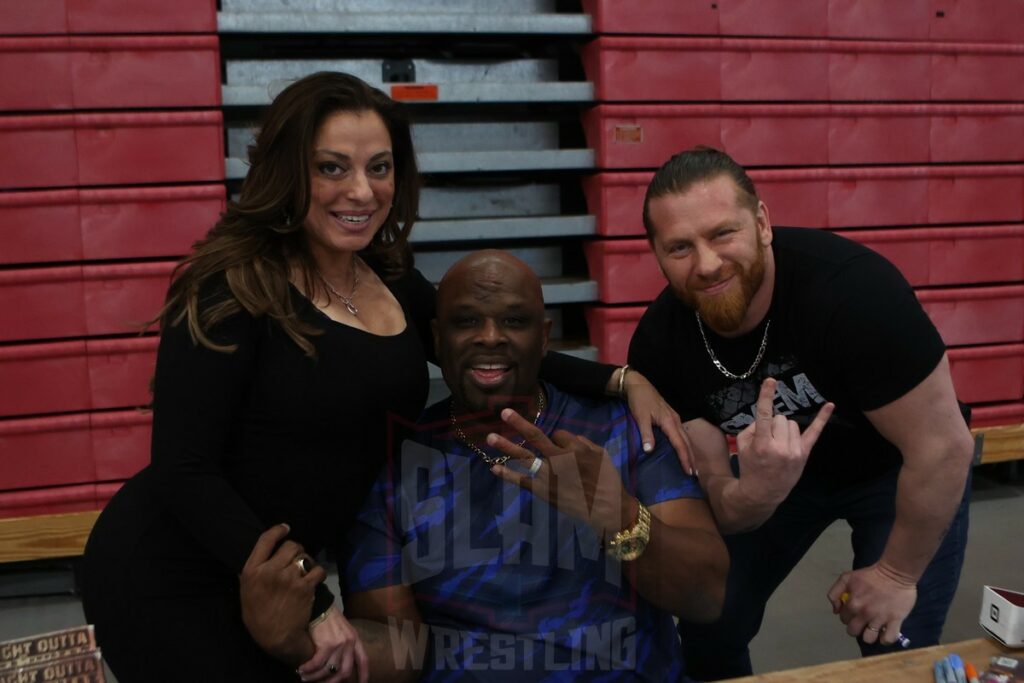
(725, 312)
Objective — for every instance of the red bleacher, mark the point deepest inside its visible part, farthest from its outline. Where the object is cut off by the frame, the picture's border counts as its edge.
(42, 226)
(629, 136)
(976, 315)
(984, 374)
(67, 150)
(946, 20)
(63, 302)
(76, 375)
(65, 17)
(59, 464)
(123, 72)
(111, 166)
(654, 69)
(998, 415)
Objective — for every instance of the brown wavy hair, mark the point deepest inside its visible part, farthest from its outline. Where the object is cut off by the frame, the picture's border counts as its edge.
(260, 235)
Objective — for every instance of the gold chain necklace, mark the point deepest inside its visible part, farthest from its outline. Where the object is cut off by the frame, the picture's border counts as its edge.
(347, 300)
(502, 459)
(718, 363)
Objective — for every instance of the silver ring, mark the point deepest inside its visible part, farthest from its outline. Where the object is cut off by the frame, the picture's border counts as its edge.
(535, 466)
(872, 628)
(304, 564)
(331, 668)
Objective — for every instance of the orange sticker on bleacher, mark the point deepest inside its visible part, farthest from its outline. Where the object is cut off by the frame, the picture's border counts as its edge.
(629, 135)
(422, 92)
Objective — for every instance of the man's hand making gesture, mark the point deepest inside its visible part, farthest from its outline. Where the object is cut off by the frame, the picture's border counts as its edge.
(772, 454)
(575, 475)
(772, 451)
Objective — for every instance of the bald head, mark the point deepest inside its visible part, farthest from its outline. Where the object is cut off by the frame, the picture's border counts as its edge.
(487, 271)
(490, 332)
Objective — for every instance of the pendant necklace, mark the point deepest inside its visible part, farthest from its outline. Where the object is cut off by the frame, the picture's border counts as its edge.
(501, 459)
(347, 300)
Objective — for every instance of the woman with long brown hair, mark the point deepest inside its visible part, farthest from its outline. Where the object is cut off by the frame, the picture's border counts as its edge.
(288, 336)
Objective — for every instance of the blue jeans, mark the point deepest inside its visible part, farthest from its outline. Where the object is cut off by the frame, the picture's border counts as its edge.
(762, 558)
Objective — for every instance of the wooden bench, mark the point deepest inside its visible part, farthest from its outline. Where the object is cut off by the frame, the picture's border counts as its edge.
(45, 536)
(1002, 444)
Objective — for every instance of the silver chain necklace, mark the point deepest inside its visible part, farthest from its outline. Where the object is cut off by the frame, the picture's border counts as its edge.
(501, 459)
(718, 363)
(347, 300)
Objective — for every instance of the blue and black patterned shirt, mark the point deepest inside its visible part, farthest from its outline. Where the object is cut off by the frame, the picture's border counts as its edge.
(512, 589)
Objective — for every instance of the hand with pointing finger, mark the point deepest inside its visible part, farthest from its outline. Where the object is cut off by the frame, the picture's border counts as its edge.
(772, 451)
(575, 475)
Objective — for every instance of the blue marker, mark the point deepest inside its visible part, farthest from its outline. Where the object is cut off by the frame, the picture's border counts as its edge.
(947, 669)
(958, 668)
(940, 675)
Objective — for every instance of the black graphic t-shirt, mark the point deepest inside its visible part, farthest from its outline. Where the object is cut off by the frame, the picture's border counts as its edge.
(845, 326)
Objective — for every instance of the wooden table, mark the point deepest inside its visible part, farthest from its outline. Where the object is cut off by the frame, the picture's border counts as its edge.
(913, 666)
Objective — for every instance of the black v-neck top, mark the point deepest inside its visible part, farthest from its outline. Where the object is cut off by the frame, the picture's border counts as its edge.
(263, 435)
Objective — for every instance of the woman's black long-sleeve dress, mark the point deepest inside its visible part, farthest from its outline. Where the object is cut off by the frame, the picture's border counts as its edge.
(242, 441)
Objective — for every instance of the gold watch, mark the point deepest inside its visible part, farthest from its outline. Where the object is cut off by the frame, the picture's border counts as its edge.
(629, 544)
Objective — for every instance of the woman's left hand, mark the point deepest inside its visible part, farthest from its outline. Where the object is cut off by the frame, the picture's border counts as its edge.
(649, 408)
(340, 655)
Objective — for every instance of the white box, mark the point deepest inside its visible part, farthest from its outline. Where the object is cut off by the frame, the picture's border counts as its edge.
(1002, 615)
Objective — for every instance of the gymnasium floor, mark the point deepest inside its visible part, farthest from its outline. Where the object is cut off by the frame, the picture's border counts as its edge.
(799, 627)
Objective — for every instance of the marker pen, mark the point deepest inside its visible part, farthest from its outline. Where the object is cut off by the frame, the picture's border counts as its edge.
(958, 667)
(970, 672)
(903, 641)
(947, 669)
(940, 675)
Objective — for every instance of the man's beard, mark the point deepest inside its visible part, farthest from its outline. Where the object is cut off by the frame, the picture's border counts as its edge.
(725, 312)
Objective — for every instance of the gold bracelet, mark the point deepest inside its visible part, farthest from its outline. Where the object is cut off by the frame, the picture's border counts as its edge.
(622, 380)
(629, 544)
(320, 619)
